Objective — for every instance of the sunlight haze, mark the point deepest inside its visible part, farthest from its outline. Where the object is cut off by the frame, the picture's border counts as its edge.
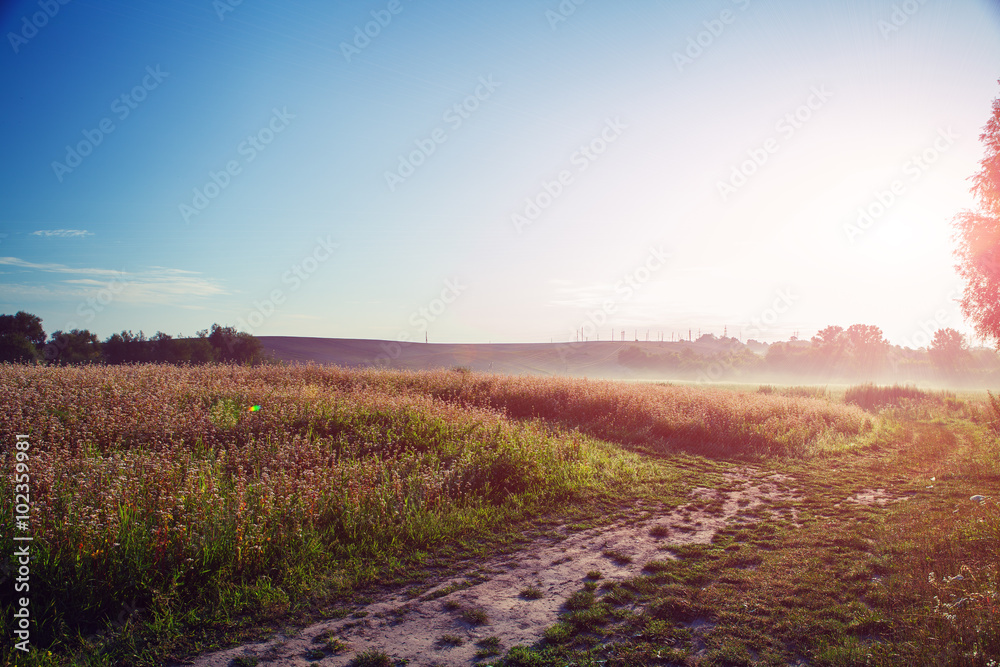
(494, 173)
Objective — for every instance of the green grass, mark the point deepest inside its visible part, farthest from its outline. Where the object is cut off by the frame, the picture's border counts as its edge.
(401, 478)
(531, 593)
(372, 658)
(184, 539)
(475, 617)
(912, 582)
(579, 600)
(617, 556)
(660, 530)
(332, 643)
(447, 590)
(488, 647)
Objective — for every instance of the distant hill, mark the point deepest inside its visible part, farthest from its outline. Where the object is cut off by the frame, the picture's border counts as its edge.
(593, 359)
(708, 359)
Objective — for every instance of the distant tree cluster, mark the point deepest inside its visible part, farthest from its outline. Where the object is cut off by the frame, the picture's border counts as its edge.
(23, 340)
(859, 352)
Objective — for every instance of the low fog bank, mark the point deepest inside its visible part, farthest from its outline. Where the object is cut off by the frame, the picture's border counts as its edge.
(707, 360)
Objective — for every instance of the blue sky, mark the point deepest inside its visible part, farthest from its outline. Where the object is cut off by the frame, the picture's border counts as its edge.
(507, 172)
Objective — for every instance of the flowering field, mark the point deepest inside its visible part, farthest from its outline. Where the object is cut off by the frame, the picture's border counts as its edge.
(162, 486)
(655, 417)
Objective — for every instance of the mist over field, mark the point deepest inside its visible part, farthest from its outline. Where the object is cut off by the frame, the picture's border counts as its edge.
(522, 334)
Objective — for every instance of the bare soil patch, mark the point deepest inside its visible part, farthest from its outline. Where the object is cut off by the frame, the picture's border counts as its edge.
(869, 497)
(444, 627)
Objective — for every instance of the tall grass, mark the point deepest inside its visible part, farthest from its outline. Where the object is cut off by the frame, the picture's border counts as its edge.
(156, 486)
(669, 418)
(873, 397)
(659, 418)
(944, 589)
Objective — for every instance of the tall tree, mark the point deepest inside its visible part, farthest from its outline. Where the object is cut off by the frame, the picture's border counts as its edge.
(868, 348)
(829, 337)
(978, 237)
(21, 337)
(231, 345)
(74, 347)
(948, 351)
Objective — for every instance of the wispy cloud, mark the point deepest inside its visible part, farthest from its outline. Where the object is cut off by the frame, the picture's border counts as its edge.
(56, 268)
(576, 296)
(154, 285)
(63, 233)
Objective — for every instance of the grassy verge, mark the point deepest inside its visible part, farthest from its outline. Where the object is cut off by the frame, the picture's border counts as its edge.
(890, 558)
(168, 517)
(651, 418)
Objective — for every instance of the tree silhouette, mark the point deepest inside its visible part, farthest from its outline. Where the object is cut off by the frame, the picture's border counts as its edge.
(978, 237)
(21, 337)
(829, 337)
(948, 351)
(867, 346)
(74, 347)
(231, 345)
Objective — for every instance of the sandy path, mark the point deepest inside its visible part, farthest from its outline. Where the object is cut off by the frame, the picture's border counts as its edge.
(557, 566)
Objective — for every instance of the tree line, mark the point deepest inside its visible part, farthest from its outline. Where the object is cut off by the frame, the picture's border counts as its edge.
(23, 340)
(859, 352)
